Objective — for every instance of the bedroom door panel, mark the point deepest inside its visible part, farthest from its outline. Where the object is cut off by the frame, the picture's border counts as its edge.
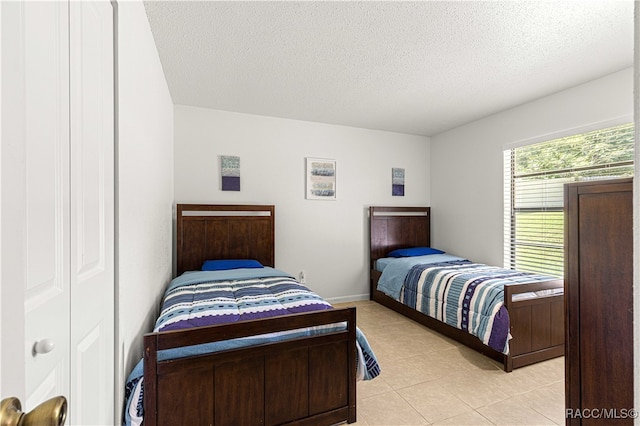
(92, 215)
(46, 194)
(35, 214)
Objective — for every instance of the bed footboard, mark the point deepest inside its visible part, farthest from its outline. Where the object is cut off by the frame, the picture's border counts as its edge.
(537, 323)
(308, 380)
(536, 314)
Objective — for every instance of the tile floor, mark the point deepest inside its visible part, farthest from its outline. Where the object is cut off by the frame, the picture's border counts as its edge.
(428, 379)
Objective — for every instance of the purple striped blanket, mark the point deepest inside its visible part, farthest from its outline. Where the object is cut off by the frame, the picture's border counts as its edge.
(217, 297)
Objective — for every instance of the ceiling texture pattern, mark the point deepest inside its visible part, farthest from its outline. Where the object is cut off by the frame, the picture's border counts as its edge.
(410, 67)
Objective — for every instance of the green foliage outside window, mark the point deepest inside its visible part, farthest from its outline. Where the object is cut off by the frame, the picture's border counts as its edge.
(568, 155)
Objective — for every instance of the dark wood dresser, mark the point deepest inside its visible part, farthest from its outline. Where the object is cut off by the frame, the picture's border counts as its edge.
(599, 302)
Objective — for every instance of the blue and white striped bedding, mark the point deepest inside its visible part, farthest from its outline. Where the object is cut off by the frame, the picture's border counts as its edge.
(203, 298)
(460, 293)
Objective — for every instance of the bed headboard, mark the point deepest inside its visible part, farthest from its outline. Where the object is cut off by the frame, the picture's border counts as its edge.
(398, 227)
(224, 232)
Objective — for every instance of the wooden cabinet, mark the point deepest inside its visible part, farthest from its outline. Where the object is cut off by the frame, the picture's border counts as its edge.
(599, 302)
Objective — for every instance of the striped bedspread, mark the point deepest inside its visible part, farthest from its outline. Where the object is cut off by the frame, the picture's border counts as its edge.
(204, 298)
(465, 295)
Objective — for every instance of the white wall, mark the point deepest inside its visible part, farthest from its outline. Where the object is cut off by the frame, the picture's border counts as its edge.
(327, 239)
(144, 185)
(467, 162)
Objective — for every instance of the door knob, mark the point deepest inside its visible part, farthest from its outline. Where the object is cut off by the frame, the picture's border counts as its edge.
(52, 412)
(43, 346)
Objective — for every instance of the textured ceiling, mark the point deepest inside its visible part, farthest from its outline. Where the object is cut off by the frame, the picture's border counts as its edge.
(409, 67)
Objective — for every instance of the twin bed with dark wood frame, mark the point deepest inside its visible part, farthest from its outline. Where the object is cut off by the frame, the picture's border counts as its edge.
(536, 325)
(302, 381)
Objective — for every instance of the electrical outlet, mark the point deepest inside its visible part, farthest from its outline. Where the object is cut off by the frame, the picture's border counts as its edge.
(302, 277)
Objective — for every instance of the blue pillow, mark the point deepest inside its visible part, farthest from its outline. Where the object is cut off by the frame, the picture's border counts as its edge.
(223, 264)
(414, 251)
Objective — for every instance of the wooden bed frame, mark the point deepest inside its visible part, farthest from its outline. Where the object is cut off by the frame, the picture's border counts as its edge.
(303, 381)
(537, 325)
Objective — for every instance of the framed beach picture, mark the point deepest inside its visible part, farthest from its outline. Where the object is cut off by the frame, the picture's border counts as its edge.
(321, 179)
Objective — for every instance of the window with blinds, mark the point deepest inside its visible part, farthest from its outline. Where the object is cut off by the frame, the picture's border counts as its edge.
(534, 189)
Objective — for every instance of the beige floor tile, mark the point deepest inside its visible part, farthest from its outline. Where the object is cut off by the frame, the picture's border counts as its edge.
(522, 380)
(472, 418)
(477, 362)
(389, 409)
(369, 388)
(401, 327)
(474, 389)
(433, 402)
(359, 422)
(512, 412)
(548, 371)
(367, 312)
(558, 387)
(398, 348)
(464, 358)
(419, 369)
(542, 401)
(428, 378)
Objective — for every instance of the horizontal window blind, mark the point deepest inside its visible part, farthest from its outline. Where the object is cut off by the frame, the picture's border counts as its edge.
(534, 190)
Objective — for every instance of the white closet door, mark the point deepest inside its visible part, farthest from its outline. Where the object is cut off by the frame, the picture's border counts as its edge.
(92, 215)
(46, 206)
(35, 199)
(57, 264)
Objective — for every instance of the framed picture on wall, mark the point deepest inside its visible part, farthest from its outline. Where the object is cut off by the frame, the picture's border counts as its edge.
(321, 179)
(230, 173)
(397, 182)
